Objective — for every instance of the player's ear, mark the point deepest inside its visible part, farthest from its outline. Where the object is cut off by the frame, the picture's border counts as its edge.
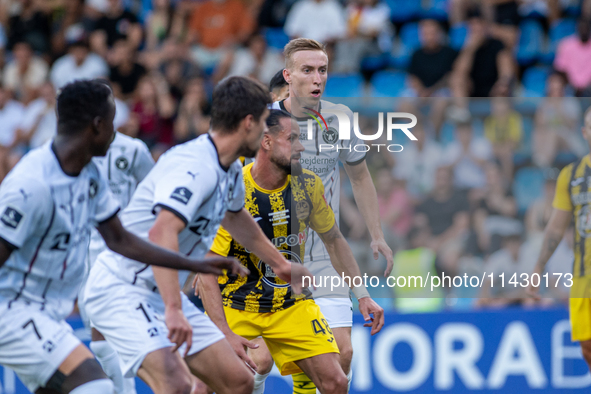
(286, 75)
(96, 123)
(266, 142)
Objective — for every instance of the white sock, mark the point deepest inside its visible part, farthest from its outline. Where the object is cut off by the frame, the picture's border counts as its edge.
(109, 360)
(259, 383)
(349, 378)
(101, 386)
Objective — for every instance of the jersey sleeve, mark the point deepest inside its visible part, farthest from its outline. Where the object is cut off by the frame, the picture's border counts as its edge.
(322, 218)
(237, 201)
(350, 156)
(25, 209)
(221, 243)
(144, 162)
(107, 205)
(183, 193)
(561, 197)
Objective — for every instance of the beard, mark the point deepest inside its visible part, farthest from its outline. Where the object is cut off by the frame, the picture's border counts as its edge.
(287, 166)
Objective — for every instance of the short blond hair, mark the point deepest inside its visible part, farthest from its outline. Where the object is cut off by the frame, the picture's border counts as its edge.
(300, 44)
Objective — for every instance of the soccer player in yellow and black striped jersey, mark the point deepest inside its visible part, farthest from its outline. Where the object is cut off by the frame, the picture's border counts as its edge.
(573, 198)
(286, 201)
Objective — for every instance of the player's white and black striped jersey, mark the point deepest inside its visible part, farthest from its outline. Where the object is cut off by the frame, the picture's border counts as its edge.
(125, 165)
(46, 216)
(189, 181)
(325, 162)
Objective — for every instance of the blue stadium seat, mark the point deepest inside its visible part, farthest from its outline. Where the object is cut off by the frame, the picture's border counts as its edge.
(457, 36)
(276, 38)
(388, 83)
(344, 86)
(374, 63)
(408, 43)
(403, 10)
(560, 29)
(534, 81)
(528, 186)
(531, 41)
(447, 133)
(434, 9)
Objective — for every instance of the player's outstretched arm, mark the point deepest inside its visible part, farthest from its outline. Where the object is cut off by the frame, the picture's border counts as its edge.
(247, 232)
(366, 198)
(209, 291)
(125, 243)
(344, 262)
(553, 234)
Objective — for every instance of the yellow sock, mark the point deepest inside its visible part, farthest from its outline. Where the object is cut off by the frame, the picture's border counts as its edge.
(302, 384)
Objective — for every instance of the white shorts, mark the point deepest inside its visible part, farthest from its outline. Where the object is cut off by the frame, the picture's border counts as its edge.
(337, 311)
(32, 343)
(131, 318)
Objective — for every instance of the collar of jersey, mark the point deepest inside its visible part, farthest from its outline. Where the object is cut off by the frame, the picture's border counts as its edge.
(282, 106)
(251, 179)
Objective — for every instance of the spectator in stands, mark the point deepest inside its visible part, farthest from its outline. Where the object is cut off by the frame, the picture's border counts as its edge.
(369, 33)
(445, 214)
(573, 56)
(395, 207)
(418, 163)
(11, 116)
(538, 213)
(116, 24)
(31, 23)
(256, 60)
(505, 18)
(467, 156)
(504, 129)
(279, 87)
(431, 64)
(216, 28)
(162, 23)
(557, 121)
(495, 209)
(125, 71)
(39, 121)
(510, 260)
(194, 112)
(321, 20)
(79, 63)
(153, 109)
(71, 24)
(484, 66)
(549, 10)
(177, 70)
(25, 74)
(273, 13)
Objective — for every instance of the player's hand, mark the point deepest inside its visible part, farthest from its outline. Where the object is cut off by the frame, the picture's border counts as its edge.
(380, 246)
(196, 285)
(533, 292)
(179, 329)
(367, 307)
(239, 343)
(217, 265)
(294, 274)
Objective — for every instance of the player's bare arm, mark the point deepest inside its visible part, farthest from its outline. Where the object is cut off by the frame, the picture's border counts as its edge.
(209, 291)
(126, 244)
(247, 232)
(343, 261)
(366, 198)
(553, 234)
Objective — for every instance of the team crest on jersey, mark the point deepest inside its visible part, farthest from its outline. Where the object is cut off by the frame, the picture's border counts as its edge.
(182, 195)
(93, 188)
(330, 135)
(302, 210)
(121, 163)
(11, 217)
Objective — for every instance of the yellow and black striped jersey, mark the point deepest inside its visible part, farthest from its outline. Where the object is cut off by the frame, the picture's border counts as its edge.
(284, 215)
(573, 194)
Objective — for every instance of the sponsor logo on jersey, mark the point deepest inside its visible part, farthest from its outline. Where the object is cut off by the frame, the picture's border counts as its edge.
(61, 241)
(121, 163)
(290, 240)
(93, 188)
(577, 182)
(330, 135)
(182, 195)
(11, 217)
(279, 218)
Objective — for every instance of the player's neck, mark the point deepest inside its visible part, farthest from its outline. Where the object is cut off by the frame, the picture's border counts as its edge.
(297, 107)
(71, 155)
(267, 175)
(226, 147)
